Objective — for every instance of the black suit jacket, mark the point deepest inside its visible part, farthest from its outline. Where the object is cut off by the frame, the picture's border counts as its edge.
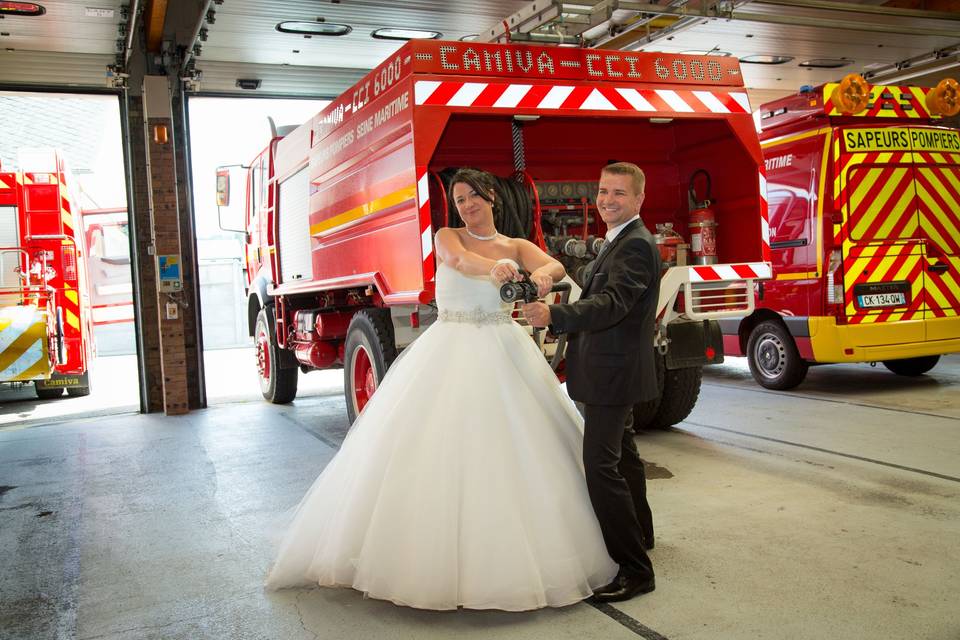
(610, 349)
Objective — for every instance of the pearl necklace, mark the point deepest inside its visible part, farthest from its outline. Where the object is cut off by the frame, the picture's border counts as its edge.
(479, 237)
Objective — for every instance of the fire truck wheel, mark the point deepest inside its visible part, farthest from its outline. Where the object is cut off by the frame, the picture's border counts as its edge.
(912, 366)
(681, 388)
(48, 393)
(644, 412)
(78, 392)
(367, 354)
(277, 384)
(773, 357)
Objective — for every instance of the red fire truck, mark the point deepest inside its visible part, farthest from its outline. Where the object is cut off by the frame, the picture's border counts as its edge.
(107, 247)
(341, 212)
(44, 319)
(864, 206)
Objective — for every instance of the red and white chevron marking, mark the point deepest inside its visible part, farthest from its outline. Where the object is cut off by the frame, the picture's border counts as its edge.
(426, 226)
(720, 272)
(581, 98)
(764, 217)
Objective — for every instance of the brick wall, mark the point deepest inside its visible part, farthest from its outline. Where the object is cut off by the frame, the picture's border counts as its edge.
(147, 276)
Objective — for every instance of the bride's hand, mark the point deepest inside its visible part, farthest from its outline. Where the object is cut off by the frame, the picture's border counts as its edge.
(504, 272)
(544, 283)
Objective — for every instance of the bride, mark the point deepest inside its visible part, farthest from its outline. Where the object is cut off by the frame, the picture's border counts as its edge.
(461, 483)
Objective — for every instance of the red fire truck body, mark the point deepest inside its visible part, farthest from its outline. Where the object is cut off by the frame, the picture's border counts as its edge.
(44, 321)
(342, 211)
(864, 213)
(107, 247)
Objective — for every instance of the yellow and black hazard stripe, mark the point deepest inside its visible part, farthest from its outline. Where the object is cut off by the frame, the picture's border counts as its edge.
(23, 344)
(886, 102)
(901, 223)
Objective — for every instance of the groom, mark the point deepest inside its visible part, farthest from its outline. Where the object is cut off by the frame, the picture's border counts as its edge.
(610, 367)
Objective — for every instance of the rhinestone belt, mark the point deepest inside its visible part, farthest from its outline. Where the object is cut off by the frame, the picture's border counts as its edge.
(477, 316)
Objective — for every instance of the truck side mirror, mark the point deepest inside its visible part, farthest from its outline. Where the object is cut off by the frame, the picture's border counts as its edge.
(230, 217)
(223, 187)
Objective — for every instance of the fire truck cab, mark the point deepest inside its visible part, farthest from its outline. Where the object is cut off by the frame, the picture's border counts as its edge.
(864, 206)
(44, 319)
(341, 212)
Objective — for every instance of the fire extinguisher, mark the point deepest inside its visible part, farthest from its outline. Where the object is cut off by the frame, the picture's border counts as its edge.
(703, 223)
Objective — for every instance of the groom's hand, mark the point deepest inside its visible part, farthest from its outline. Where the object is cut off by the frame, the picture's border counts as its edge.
(537, 314)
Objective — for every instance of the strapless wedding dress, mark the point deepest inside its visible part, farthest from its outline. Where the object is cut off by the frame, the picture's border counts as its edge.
(461, 483)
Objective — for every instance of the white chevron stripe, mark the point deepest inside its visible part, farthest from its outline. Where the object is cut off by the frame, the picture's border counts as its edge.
(555, 97)
(426, 243)
(467, 94)
(29, 358)
(596, 100)
(675, 101)
(423, 190)
(760, 270)
(636, 100)
(742, 99)
(423, 89)
(711, 102)
(22, 319)
(512, 96)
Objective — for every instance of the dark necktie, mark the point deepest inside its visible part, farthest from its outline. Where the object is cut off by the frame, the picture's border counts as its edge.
(603, 250)
(596, 261)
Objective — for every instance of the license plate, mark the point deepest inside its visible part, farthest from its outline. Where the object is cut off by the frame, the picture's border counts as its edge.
(882, 300)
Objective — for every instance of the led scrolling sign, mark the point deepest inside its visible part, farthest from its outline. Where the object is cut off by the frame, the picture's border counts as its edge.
(574, 64)
(532, 63)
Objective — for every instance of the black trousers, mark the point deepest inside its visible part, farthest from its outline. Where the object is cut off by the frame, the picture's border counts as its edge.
(617, 486)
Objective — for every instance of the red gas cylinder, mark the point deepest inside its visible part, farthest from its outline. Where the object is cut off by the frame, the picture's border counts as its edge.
(703, 236)
(703, 224)
(667, 242)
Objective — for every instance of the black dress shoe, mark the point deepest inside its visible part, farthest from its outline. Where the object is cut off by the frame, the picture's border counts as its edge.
(623, 588)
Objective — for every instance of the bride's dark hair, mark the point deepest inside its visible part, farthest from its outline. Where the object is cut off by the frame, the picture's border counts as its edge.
(480, 181)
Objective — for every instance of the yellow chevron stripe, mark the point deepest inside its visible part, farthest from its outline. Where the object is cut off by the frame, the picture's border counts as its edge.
(820, 199)
(36, 332)
(71, 294)
(72, 319)
(38, 369)
(932, 232)
(894, 211)
(369, 208)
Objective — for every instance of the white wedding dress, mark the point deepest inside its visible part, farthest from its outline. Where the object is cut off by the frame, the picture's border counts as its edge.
(461, 483)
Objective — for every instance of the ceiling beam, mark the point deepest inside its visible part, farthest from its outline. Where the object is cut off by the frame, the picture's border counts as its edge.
(883, 10)
(153, 23)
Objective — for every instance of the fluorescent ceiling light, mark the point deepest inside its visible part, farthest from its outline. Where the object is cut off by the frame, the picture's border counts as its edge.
(21, 9)
(825, 63)
(763, 59)
(704, 52)
(314, 28)
(404, 34)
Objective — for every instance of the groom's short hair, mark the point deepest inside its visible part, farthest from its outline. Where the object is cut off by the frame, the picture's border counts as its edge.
(628, 169)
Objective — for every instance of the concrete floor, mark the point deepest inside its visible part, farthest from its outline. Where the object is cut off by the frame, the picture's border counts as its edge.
(231, 376)
(829, 512)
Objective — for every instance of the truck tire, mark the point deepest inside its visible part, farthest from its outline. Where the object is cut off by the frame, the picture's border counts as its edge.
(367, 354)
(78, 392)
(644, 412)
(681, 388)
(277, 384)
(912, 366)
(48, 393)
(773, 357)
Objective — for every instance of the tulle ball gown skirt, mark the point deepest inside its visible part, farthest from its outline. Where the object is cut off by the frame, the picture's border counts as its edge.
(460, 485)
